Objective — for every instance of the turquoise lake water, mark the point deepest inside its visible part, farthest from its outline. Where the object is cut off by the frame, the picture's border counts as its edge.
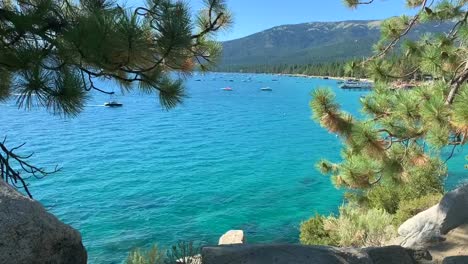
(139, 175)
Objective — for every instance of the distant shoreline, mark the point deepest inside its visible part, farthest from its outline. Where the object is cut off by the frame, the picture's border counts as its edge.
(304, 76)
(321, 77)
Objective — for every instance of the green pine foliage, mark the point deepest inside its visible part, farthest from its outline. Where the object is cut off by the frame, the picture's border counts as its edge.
(52, 52)
(391, 158)
(409, 208)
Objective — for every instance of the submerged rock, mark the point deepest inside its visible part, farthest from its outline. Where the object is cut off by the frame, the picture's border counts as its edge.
(29, 234)
(232, 237)
(300, 254)
(429, 226)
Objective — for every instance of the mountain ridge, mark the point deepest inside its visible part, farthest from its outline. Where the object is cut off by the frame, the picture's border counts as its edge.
(310, 43)
(305, 23)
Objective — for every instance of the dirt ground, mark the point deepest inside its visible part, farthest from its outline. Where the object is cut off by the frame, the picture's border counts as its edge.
(456, 244)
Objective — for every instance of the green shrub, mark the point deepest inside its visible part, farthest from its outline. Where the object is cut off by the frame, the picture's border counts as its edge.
(181, 253)
(353, 227)
(421, 183)
(151, 256)
(184, 253)
(424, 180)
(408, 209)
(384, 197)
(371, 215)
(360, 227)
(313, 232)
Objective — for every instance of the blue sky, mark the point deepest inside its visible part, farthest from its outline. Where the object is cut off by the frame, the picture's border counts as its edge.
(251, 16)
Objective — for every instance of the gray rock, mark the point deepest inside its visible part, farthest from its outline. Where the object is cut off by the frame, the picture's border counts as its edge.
(190, 260)
(453, 209)
(397, 254)
(456, 260)
(422, 229)
(29, 234)
(232, 237)
(429, 226)
(299, 254)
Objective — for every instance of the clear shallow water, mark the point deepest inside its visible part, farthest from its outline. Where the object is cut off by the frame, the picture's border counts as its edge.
(139, 175)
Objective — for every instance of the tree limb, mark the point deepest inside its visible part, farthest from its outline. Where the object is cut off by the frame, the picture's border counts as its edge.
(12, 166)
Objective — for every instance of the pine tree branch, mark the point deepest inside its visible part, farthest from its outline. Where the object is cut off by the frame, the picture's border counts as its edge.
(377, 181)
(456, 83)
(212, 24)
(457, 25)
(451, 154)
(403, 76)
(212, 27)
(393, 43)
(355, 3)
(12, 176)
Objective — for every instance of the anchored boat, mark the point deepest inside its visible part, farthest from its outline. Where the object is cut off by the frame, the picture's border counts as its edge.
(356, 84)
(113, 104)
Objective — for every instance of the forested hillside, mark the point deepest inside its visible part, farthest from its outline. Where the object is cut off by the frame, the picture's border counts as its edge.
(308, 44)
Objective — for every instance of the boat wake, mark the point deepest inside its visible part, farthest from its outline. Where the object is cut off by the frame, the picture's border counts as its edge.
(95, 105)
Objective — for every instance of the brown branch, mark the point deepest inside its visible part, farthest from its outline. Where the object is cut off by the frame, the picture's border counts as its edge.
(366, 3)
(451, 154)
(159, 62)
(9, 159)
(376, 181)
(386, 131)
(455, 28)
(210, 28)
(456, 83)
(402, 76)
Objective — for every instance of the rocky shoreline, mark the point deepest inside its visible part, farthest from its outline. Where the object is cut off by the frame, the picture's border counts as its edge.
(29, 234)
(437, 235)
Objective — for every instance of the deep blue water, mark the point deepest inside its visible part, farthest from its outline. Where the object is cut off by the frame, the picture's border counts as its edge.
(139, 175)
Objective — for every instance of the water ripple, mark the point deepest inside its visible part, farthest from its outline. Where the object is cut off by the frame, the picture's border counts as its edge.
(141, 175)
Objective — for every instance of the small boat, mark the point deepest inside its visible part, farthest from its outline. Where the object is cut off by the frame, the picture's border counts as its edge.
(355, 84)
(266, 89)
(326, 78)
(113, 104)
(227, 89)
